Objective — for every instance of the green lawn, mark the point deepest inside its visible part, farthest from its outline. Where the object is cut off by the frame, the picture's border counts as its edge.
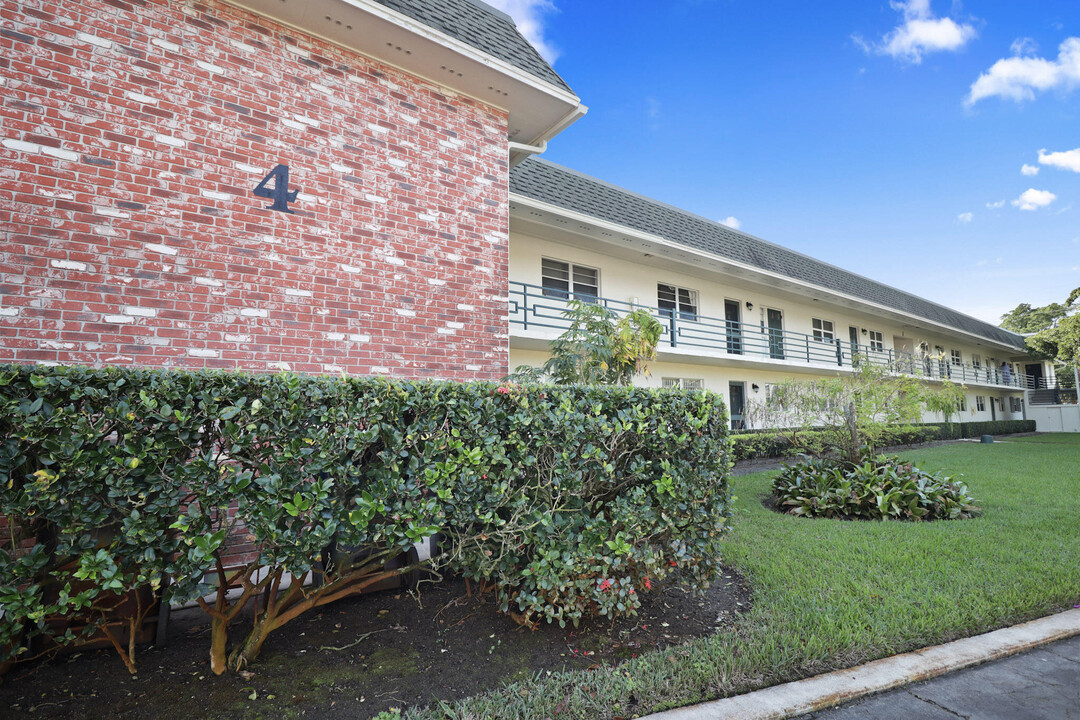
(830, 594)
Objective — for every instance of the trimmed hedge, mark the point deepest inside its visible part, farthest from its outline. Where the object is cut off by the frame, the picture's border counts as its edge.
(568, 500)
(763, 443)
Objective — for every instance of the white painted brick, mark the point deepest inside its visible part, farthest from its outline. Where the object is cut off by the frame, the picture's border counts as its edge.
(377, 128)
(254, 312)
(209, 281)
(155, 341)
(62, 194)
(93, 40)
(306, 120)
(111, 212)
(280, 365)
(68, 265)
(171, 141)
(451, 144)
(474, 368)
(304, 197)
(9, 312)
(140, 98)
(374, 198)
(403, 312)
(12, 144)
(165, 45)
(436, 281)
(203, 353)
(501, 298)
(379, 370)
(140, 311)
(453, 257)
(333, 369)
(321, 88)
(427, 217)
(352, 269)
(293, 124)
(105, 231)
(335, 336)
(59, 153)
(411, 119)
(465, 307)
(210, 67)
(238, 338)
(298, 293)
(215, 195)
(244, 167)
(445, 331)
(340, 168)
(360, 338)
(54, 345)
(118, 319)
(242, 46)
(297, 51)
(162, 249)
(455, 325)
(397, 163)
(394, 260)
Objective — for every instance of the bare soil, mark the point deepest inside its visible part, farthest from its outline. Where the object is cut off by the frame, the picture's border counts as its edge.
(358, 657)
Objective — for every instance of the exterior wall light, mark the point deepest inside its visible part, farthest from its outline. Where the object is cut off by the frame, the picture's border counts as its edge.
(749, 305)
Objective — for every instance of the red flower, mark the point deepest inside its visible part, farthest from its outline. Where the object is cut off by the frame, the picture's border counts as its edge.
(502, 390)
(605, 586)
(648, 585)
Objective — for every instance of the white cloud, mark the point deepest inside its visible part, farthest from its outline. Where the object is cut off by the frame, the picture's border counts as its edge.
(1017, 78)
(996, 205)
(1024, 46)
(965, 217)
(732, 222)
(1032, 199)
(1068, 160)
(1029, 169)
(921, 33)
(529, 17)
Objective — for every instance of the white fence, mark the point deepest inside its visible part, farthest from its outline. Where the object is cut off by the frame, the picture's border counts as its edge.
(1055, 418)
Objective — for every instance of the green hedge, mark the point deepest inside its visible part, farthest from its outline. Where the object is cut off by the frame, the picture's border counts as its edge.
(568, 500)
(763, 443)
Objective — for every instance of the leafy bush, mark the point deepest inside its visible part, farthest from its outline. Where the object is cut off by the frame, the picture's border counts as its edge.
(877, 488)
(765, 444)
(570, 500)
(957, 431)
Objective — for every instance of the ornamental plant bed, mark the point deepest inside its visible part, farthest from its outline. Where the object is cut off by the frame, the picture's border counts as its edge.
(364, 655)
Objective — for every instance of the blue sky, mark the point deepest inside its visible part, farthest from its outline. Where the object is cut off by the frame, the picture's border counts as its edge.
(888, 138)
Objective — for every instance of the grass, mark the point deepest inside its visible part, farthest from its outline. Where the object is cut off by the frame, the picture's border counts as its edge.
(830, 594)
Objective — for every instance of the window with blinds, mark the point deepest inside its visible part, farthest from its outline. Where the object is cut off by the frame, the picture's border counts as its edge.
(677, 301)
(565, 280)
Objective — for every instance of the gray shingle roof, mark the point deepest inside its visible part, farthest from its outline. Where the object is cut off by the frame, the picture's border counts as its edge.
(482, 26)
(545, 181)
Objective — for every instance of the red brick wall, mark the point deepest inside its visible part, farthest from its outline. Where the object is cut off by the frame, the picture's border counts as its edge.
(132, 136)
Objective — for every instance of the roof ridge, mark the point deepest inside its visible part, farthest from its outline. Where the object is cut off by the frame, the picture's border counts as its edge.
(727, 229)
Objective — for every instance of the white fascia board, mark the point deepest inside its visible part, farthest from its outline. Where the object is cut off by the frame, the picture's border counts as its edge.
(273, 11)
(649, 237)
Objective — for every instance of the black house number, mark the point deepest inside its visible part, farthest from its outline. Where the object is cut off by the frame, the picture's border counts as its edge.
(280, 192)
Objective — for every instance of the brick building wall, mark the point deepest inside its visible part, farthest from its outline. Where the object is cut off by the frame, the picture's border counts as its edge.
(133, 133)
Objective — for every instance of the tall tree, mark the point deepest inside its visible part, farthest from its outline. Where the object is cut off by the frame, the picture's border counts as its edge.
(1060, 341)
(1026, 319)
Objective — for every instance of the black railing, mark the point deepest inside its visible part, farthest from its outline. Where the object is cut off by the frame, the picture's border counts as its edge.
(532, 306)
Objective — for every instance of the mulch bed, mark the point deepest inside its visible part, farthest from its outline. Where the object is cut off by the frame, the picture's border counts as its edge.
(358, 657)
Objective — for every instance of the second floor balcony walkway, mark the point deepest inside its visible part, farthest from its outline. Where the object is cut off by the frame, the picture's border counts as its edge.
(533, 307)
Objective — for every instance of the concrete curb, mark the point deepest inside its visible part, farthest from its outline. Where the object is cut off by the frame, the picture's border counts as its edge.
(840, 686)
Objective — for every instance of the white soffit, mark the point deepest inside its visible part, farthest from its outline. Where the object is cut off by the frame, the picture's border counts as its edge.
(538, 110)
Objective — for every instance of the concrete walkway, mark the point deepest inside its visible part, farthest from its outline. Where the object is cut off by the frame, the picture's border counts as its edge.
(937, 690)
(1041, 684)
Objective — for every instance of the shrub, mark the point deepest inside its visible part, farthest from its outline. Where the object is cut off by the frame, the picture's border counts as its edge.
(569, 500)
(765, 444)
(877, 488)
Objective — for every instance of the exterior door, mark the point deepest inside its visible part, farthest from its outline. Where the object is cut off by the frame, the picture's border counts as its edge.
(737, 405)
(1035, 373)
(776, 334)
(734, 329)
(853, 341)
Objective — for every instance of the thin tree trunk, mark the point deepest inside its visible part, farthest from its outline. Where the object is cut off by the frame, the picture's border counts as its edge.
(853, 433)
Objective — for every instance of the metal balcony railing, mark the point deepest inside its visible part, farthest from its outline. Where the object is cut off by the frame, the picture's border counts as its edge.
(532, 306)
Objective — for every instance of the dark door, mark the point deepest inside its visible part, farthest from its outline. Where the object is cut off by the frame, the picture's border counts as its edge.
(993, 408)
(734, 329)
(853, 341)
(776, 334)
(737, 403)
(1035, 376)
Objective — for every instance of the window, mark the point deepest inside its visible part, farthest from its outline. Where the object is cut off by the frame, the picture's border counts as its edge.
(980, 403)
(957, 358)
(560, 279)
(963, 403)
(1016, 404)
(823, 330)
(671, 300)
(976, 360)
(684, 383)
(877, 341)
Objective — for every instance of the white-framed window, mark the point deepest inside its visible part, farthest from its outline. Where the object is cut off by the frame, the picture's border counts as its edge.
(823, 330)
(1016, 404)
(980, 403)
(562, 279)
(976, 360)
(877, 341)
(963, 403)
(673, 300)
(957, 357)
(683, 383)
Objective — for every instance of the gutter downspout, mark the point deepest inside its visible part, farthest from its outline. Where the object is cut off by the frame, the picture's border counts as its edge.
(520, 151)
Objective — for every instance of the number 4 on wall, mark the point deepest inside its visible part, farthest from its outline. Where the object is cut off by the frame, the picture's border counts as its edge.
(280, 193)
